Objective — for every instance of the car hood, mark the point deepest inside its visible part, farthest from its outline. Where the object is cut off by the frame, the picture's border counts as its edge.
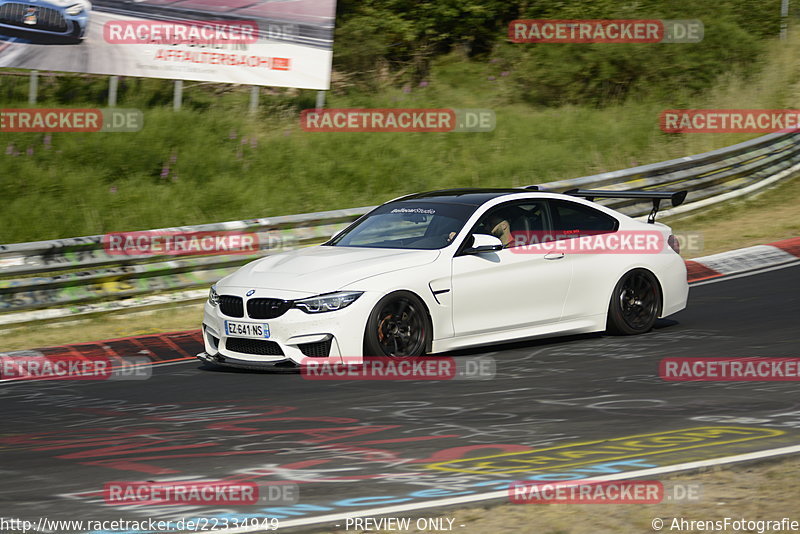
(320, 269)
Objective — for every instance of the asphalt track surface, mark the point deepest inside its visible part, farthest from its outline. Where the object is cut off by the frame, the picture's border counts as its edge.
(356, 445)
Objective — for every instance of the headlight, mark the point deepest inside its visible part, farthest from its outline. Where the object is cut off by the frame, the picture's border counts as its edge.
(213, 296)
(77, 9)
(328, 303)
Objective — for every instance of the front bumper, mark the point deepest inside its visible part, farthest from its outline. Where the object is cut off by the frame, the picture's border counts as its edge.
(218, 359)
(49, 21)
(295, 336)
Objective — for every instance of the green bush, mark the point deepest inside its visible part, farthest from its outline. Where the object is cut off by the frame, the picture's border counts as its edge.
(378, 38)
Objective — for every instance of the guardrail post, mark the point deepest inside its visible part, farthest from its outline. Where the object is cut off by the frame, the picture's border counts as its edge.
(177, 100)
(113, 86)
(255, 92)
(33, 88)
(784, 19)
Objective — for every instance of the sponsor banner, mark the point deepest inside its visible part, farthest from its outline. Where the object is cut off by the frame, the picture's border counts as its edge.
(730, 120)
(730, 369)
(416, 211)
(398, 120)
(386, 368)
(228, 59)
(606, 31)
(169, 243)
(260, 42)
(588, 242)
(71, 120)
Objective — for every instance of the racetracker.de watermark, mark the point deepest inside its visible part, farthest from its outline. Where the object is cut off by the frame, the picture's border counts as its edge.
(173, 32)
(387, 368)
(63, 120)
(730, 120)
(729, 369)
(194, 492)
(198, 524)
(602, 492)
(398, 120)
(34, 365)
(595, 242)
(588, 242)
(177, 243)
(607, 31)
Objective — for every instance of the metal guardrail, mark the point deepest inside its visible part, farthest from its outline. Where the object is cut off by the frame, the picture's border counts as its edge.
(52, 279)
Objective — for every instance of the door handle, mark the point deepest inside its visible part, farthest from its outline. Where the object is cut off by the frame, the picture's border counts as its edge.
(554, 255)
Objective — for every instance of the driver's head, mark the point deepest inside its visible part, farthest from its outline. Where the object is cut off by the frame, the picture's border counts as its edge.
(500, 228)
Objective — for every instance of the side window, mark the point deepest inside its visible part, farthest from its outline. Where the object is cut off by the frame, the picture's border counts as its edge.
(571, 219)
(515, 224)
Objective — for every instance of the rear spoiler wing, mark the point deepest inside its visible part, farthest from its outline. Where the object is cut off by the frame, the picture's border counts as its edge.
(677, 197)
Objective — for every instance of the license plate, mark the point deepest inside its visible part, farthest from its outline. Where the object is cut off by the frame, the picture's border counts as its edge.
(254, 330)
(31, 18)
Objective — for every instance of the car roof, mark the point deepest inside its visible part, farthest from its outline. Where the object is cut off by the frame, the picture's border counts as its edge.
(471, 197)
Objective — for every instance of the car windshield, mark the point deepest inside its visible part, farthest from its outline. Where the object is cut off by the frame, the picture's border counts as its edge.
(407, 225)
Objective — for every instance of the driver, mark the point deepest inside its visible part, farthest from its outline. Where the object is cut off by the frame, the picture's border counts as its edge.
(501, 229)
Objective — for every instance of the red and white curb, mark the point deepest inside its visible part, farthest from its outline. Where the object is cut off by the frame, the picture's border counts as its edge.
(699, 269)
(744, 260)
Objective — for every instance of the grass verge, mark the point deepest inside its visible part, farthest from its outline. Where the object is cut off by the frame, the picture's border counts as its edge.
(103, 327)
(767, 217)
(217, 164)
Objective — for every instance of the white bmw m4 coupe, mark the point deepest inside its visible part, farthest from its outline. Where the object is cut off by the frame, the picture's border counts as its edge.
(433, 272)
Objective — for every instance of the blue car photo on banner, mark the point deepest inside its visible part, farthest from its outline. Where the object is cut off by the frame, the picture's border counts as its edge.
(38, 20)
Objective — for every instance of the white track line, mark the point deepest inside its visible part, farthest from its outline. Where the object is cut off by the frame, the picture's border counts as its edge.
(723, 278)
(503, 494)
(167, 364)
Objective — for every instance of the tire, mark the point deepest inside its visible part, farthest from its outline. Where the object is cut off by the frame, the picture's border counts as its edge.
(635, 303)
(76, 36)
(398, 327)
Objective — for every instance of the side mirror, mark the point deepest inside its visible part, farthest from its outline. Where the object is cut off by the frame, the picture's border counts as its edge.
(483, 243)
